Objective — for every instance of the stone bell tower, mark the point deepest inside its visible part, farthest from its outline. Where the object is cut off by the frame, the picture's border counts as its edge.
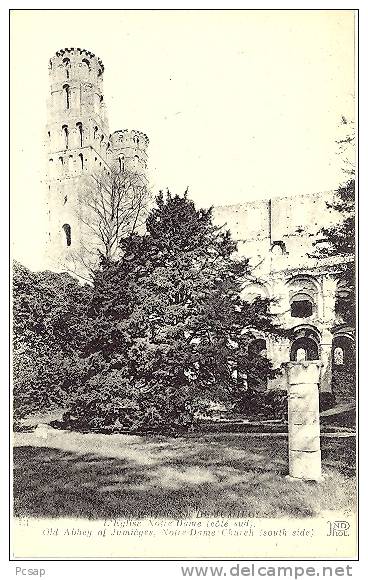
(77, 142)
(81, 155)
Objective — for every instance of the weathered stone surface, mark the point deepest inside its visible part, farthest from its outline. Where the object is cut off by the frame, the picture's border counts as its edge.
(303, 419)
(305, 465)
(304, 437)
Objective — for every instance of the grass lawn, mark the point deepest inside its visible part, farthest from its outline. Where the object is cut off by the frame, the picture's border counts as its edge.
(108, 476)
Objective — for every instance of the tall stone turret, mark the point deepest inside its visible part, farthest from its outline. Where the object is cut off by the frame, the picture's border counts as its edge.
(77, 142)
(129, 150)
(81, 153)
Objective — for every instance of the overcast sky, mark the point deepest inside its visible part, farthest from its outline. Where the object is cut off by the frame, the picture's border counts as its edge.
(238, 105)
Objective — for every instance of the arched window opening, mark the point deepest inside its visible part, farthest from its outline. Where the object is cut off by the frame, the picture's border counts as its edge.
(66, 62)
(61, 159)
(66, 89)
(87, 63)
(301, 355)
(301, 305)
(68, 234)
(102, 139)
(95, 131)
(136, 140)
(99, 73)
(81, 160)
(343, 352)
(101, 98)
(80, 130)
(306, 344)
(338, 356)
(65, 131)
(344, 300)
(49, 134)
(278, 248)
(121, 164)
(65, 199)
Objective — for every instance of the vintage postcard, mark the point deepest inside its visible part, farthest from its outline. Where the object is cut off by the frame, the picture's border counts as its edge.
(183, 273)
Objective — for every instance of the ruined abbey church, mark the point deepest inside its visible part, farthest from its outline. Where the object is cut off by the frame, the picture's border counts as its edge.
(276, 234)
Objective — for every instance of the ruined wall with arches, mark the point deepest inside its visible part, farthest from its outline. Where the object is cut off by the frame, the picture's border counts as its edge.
(278, 236)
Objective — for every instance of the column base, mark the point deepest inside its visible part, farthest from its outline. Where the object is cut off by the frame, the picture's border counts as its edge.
(314, 480)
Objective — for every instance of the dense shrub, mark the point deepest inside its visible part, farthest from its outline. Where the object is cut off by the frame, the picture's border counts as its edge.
(268, 404)
(47, 325)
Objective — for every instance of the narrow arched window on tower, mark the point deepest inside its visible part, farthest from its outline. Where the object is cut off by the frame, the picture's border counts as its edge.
(68, 234)
(61, 162)
(66, 89)
(65, 132)
(121, 164)
(66, 62)
(86, 62)
(80, 129)
(81, 160)
(95, 130)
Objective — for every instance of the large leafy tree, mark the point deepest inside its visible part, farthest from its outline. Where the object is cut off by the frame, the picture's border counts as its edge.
(47, 331)
(170, 330)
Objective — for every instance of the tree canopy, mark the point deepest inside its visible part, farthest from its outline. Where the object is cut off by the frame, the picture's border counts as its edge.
(168, 329)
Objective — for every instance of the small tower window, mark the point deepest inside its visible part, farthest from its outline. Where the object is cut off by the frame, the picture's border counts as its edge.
(66, 89)
(95, 130)
(61, 162)
(68, 234)
(86, 62)
(65, 132)
(81, 160)
(80, 130)
(136, 140)
(66, 62)
(121, 164)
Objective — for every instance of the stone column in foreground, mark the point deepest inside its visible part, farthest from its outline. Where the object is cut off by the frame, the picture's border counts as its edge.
(303, 420)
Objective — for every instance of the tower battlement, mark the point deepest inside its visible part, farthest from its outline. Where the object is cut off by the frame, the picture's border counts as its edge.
(129, 149)
(75, 63)
(126, 137)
